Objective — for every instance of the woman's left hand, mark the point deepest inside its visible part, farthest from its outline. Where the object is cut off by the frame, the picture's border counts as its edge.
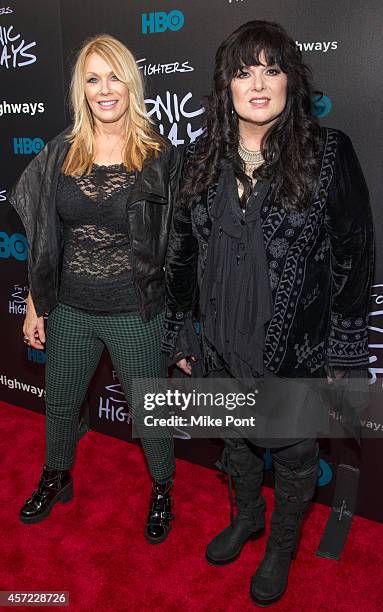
(335, 375)
(185, 365)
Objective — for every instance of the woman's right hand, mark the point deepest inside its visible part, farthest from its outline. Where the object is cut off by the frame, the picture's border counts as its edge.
(185, 366)
(33, 328)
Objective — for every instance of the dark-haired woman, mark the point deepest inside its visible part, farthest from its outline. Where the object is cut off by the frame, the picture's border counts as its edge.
(274, 230)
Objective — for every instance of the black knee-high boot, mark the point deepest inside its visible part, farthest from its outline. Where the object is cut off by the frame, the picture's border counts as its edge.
(246, 470)
(295, 483)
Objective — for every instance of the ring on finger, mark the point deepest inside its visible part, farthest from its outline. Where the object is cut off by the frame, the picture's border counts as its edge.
(26, 340)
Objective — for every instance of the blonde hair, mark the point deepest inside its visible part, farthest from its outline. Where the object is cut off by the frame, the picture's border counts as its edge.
(141, 140)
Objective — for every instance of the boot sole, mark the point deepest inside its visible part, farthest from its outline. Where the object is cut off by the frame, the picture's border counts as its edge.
(253, 536)
(157, 540)
(264, 603)
(64, 496)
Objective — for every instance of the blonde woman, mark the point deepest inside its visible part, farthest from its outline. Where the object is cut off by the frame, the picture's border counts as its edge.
(96, 204)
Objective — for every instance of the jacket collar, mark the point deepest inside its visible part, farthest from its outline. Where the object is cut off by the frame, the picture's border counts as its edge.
(149, 185)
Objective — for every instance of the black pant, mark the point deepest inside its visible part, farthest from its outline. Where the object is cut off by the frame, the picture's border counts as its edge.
(247, 455)
(299, 452)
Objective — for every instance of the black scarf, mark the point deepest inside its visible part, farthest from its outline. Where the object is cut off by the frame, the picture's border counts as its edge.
(235, 295)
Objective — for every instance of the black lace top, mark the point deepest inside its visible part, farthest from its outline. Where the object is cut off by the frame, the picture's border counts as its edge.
(97, 261)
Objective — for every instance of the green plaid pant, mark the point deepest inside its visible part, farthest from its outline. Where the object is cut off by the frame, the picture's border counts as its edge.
(75, 341)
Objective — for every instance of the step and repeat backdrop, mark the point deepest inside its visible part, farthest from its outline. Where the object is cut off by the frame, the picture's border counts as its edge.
(174, 43)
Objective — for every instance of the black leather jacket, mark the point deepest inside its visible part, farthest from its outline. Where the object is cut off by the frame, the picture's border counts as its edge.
(149, 210)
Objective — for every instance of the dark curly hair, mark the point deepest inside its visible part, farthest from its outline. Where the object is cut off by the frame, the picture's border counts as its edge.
(289, 148)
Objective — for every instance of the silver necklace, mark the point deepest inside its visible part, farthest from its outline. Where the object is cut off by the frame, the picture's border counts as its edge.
(250, 158)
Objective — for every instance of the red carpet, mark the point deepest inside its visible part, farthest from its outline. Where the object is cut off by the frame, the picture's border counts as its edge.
(94, 547)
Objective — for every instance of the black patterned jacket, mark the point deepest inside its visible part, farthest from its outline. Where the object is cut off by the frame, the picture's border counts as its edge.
(320, 265)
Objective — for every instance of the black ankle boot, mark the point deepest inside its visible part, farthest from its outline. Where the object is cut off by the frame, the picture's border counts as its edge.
(294, 489)
(246, 470)
(160, 513)
(54, 486)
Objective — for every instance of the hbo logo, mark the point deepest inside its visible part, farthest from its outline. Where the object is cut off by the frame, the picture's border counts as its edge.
(36, 355)
(27, 146)
(325, 473)
(13, 246)
(159, 22)
(321, 105)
